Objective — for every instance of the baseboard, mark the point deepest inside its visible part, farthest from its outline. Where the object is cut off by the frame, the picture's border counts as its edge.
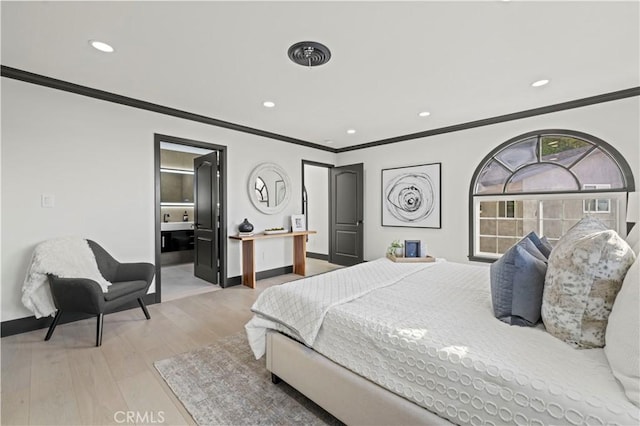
(261, 275)
(318, 256)
(24, 325)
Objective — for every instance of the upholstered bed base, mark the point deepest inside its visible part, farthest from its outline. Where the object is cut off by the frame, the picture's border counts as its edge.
(349, 397)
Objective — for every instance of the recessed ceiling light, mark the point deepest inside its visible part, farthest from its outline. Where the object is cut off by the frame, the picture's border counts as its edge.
(101, 46)
(424, 114)
(268, 104)
(540, 83)
(351, 131)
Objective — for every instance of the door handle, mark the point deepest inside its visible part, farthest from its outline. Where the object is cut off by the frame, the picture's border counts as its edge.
(358, 222)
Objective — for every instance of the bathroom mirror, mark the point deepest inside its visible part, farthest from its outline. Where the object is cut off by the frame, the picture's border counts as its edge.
(176, 186)
(269, 188)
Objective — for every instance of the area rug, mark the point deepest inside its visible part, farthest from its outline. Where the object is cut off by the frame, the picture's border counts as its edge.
(223, 384)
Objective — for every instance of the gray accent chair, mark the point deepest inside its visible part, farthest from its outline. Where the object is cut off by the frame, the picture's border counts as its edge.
(130, 281)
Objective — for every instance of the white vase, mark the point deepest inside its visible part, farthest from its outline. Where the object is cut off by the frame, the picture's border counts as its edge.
(399, 252)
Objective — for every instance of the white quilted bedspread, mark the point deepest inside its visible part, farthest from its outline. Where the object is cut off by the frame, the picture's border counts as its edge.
(433, 340)
(301, 305)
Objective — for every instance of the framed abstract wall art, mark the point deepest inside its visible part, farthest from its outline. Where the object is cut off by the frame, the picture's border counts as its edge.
(411, 196)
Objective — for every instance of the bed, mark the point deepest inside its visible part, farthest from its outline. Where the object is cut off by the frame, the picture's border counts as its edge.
(392, 343)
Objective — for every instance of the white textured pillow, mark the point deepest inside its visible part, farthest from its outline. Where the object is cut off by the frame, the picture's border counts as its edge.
(623, 335)
(585, 273)
(634, 236)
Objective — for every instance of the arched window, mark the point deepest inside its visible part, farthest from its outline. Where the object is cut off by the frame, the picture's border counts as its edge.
(545, 181)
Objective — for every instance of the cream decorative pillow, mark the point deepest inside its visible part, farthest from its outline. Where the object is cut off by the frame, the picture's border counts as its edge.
(585, 273)
(633, 239)
(623, 335)
(634, 236)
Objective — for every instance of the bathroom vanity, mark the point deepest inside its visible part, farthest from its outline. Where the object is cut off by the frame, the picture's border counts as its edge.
(176, 243)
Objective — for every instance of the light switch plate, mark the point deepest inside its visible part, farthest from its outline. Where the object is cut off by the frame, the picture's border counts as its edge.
(48, 200)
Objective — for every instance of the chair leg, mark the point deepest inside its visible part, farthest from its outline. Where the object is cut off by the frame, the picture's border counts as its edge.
(275, 379)
(99, 330)
(144, 308)
(53, 325)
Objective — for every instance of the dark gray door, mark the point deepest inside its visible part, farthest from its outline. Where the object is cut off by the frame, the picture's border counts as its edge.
(206, 222)
(347, 230)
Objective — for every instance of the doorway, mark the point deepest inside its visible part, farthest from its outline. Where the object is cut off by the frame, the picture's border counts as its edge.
(177, 207)
(332, 202)
(315, 207)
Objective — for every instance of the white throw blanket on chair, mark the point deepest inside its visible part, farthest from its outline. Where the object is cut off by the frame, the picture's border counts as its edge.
(66, 257)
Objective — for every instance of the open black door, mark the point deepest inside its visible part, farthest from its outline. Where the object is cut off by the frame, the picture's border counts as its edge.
(347, 230)
(206, 221)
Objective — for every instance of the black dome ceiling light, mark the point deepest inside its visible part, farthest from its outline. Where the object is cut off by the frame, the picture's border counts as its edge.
(309, 53)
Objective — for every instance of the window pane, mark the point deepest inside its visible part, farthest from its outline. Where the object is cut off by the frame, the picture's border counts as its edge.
(498, 234)
(489, 209)
(488, 245)
(574, 209)
(505, 243)
(530, 209)
(492, 178)
(602, 206)
(563, 149)
(507, 228)
(542, 178)
(502, 209)
(552, 228)
(520, 154)
(598, 168)
(553, 209)
(518, 209)
(529, 225)
(511, 208)
(488, 226)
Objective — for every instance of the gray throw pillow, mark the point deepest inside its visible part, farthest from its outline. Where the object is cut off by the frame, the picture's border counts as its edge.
(548, 245)
(542, 244)
(517, 283)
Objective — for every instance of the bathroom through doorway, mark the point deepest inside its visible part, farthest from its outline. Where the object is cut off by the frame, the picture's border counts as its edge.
(189, 222)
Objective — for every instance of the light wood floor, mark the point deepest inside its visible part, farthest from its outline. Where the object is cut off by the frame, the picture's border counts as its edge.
(69, 381)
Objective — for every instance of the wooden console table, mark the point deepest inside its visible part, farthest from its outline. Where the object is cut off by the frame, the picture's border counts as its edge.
(249, 253)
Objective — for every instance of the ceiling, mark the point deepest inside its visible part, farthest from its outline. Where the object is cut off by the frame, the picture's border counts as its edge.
(461, 61)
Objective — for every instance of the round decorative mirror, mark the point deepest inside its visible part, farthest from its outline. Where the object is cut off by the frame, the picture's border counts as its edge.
(269, 188)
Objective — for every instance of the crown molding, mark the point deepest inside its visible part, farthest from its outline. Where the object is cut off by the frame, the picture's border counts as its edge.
(578, 103)
(41, 80)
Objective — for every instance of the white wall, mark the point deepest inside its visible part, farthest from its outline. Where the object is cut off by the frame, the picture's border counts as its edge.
(316, 179)
(617, 123)
(97, 159)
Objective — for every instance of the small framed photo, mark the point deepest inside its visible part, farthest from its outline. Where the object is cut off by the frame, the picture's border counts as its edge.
(411, 248)
(298, 223)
